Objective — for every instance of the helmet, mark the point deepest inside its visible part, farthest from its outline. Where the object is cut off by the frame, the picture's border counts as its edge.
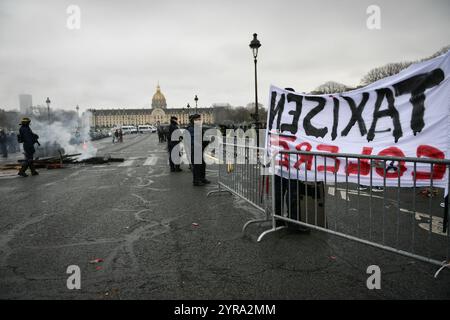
(25, 121)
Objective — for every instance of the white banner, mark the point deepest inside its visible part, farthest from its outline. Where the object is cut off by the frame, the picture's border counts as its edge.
(404, 115)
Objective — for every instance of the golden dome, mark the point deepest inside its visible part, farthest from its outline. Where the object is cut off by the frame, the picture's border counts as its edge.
(158, 100)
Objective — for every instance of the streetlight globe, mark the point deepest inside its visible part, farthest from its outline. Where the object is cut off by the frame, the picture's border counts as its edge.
(254, 45)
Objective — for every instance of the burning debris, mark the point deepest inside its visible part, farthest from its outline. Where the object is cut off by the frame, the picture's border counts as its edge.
(101, 160)
(61, 161)
(63, 142)
(48, 150)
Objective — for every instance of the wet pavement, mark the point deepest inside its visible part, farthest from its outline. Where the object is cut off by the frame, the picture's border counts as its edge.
(161, 238)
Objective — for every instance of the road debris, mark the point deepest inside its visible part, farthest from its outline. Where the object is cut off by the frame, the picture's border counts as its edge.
(100, 160)
(429, 192)
(98, 260)
(61, 161)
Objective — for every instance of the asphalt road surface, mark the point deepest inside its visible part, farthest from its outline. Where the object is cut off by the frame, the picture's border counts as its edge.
(158, 237)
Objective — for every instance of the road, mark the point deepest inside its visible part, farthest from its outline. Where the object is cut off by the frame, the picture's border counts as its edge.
(161, 238)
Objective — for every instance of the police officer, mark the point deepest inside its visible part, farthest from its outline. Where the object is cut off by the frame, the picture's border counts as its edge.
(197, 148)
(171, 144)
(28, 138)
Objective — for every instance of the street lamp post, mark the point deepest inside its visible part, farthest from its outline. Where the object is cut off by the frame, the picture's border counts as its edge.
(254, 45)
(183, 112)
(78, 116)
(95, 119)
(48, 108)
(188, 106)
(196, 99)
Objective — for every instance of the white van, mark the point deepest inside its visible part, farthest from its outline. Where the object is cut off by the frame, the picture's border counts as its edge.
(129, 129)
(146, 128)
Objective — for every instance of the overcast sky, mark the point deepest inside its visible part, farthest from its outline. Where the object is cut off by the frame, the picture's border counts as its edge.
(201, 47)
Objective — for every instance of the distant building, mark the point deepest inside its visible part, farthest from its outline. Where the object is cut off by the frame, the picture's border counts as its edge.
(109, 118)
(158, 100)
(25, 103)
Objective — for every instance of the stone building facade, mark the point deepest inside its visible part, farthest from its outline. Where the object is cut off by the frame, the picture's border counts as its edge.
(109, 118)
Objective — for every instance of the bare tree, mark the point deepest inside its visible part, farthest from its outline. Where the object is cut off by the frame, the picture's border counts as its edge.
(437, 53)
(384, 71)
(393, 68)
(239, 115)
(330, 87)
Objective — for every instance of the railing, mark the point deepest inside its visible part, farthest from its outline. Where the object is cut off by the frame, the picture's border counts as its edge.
(392, 216)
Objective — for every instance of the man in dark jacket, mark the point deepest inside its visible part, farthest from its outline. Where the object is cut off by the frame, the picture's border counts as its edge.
(197, 148)
(159, 131)
(4, 143)
(171, 144)
(28, 138)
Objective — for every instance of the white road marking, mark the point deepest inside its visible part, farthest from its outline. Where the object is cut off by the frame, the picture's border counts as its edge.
(128, 163)
(342, 192)
(331, 191)
(423, 218)
(344, 195)
(151, 161)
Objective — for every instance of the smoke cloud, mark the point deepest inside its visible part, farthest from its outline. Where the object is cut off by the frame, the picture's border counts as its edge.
(68, 134)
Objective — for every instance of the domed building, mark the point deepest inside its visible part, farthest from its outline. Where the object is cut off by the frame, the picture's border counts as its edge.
(158, 100)
(109, 118)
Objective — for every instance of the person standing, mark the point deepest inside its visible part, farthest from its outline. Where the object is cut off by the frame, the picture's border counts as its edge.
(166, 133)
(120, 135)
(159, 130)
(288, 194)
(3, 143)
(10, 142)
(197, 148)
(171, 144)
(28, 138)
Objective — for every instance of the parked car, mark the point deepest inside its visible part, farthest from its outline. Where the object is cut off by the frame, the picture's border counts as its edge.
(129, 129)
(146, 128)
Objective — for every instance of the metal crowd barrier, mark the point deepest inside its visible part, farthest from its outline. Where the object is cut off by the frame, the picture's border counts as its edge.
(241, 174)
(406, 220)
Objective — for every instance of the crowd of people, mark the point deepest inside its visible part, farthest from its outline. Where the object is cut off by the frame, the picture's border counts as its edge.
(194, 148)
(117, 136)
(163, 132)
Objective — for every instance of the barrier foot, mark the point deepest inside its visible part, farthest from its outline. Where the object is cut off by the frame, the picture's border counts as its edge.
(253, 221)
(217, 191)
(445, 264)
(269, 231)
